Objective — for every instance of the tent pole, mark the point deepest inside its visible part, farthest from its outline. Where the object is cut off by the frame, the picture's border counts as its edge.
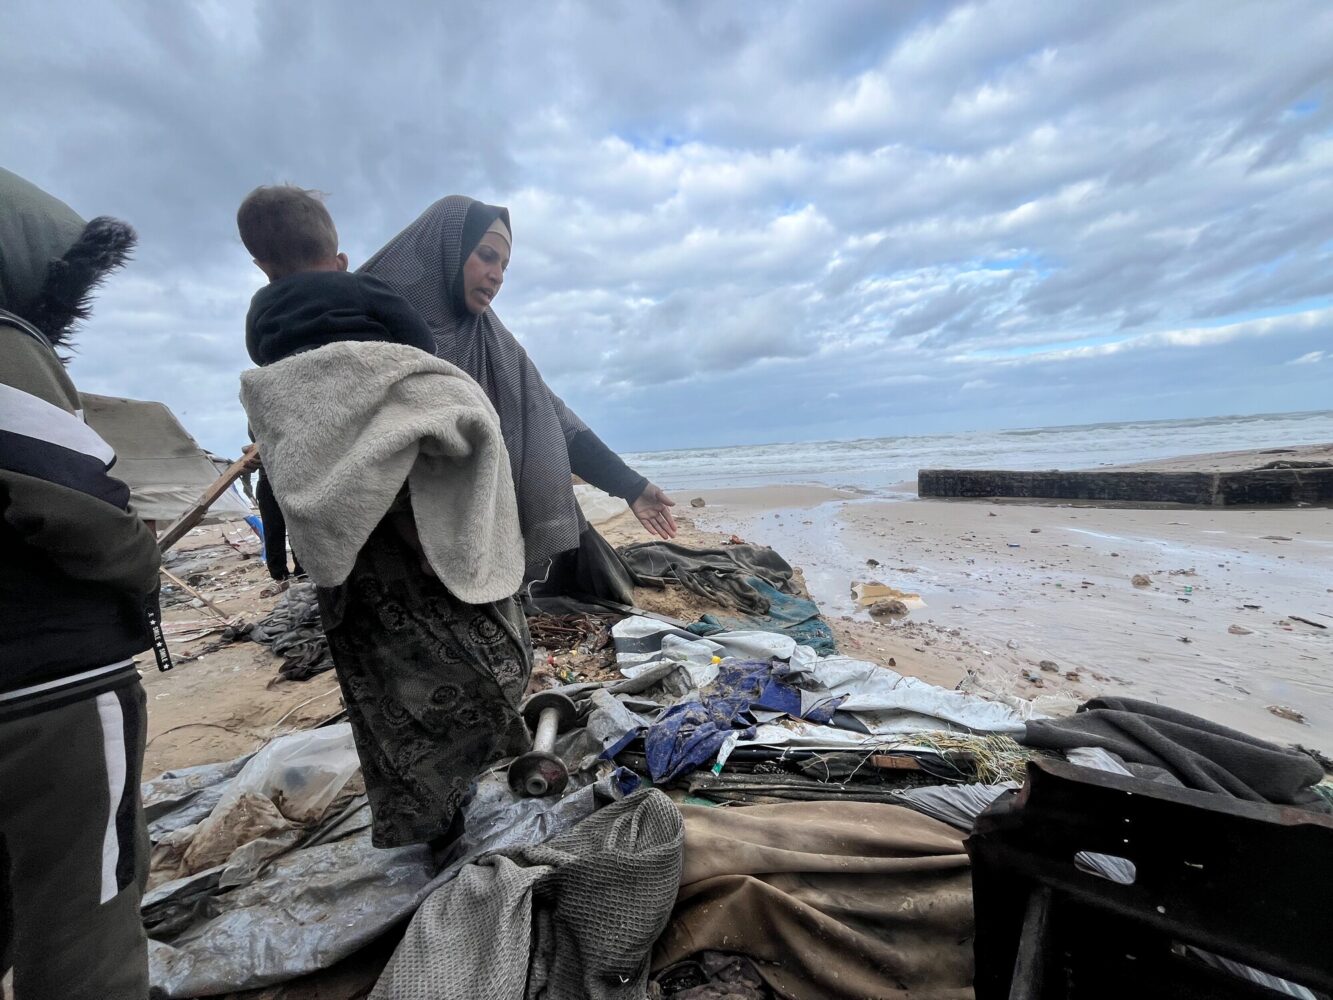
(210, 496)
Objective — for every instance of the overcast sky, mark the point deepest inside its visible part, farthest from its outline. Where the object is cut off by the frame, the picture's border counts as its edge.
(734, 222)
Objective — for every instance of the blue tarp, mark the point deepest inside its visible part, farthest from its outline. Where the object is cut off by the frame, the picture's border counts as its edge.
(787, 614)
(688, 735)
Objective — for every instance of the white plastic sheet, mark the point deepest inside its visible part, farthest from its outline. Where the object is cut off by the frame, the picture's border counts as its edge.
(646, 640)
(884, 701)
(308, 908)
(283, 789)
(887, 702)
(301, 773)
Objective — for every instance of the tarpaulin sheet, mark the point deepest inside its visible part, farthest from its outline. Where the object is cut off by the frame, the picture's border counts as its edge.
(156, 457)
(880, 701)
(689, 734)
(242, 924)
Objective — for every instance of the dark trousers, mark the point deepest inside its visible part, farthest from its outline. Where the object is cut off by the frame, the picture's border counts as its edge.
(275, 531)
(74, 849)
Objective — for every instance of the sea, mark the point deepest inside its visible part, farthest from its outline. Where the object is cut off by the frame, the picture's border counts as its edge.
(883, 463)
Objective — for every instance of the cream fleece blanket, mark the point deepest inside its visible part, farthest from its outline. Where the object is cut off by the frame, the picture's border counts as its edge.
(342, 427)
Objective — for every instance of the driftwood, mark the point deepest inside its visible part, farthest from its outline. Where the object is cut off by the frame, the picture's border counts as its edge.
(1246, 488)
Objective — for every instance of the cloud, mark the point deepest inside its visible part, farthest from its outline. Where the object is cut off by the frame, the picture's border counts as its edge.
(739, 222)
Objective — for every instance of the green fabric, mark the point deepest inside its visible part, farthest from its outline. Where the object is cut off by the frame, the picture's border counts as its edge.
(28, 364)
(788, 614)
(35, 228)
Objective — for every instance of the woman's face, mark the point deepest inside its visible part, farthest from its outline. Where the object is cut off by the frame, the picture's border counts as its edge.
(484, 272)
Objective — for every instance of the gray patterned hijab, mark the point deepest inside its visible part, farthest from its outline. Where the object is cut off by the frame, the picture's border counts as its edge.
(424, 264)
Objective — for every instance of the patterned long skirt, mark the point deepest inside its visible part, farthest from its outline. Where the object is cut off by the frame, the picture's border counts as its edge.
(432, 687)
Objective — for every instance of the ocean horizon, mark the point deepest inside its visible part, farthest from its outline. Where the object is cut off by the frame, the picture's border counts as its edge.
(880, 463)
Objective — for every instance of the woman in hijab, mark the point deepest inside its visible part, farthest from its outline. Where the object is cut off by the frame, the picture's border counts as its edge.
(449, 264)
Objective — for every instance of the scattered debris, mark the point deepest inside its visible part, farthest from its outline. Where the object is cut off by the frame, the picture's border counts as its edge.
(1072, 675)
(1012, 643)
(1139, 580)
(1034, 679)
(1284, 712)
(697, 502)
(1276, 538)
(1050, 666)
(1240, 630)
(872, 563)
(573, 648)
(1184, 572)
(230, 634)
(199, 600)
(1306, 621)
(1036, 531)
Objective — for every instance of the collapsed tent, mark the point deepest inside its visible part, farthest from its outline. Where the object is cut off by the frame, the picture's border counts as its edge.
(277, 906)
(156, 457)
(846, 879)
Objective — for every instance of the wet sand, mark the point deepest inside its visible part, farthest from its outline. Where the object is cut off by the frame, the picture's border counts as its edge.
(1008, 585)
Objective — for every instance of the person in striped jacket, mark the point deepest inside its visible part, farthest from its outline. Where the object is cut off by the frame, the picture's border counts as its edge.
(77, 568)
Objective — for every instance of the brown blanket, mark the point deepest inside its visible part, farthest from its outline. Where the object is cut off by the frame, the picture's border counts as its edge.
(828, 899)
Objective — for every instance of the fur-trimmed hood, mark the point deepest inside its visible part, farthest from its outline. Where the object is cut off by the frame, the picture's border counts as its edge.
(51, 261)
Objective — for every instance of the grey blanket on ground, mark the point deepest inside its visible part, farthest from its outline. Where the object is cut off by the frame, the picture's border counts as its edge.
(572, 918)
(719, 575)
(1201, 754)
(341, 428)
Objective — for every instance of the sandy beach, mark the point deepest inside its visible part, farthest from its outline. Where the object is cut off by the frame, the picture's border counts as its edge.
(1009, 585)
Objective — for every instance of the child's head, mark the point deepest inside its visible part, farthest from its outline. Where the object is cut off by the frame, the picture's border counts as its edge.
(288, 230)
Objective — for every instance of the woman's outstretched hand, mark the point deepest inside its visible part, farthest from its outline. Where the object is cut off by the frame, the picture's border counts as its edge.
(653, 509)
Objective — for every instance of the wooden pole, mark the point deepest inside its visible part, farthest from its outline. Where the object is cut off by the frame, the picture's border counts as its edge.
(200, 507)
(226, 618)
